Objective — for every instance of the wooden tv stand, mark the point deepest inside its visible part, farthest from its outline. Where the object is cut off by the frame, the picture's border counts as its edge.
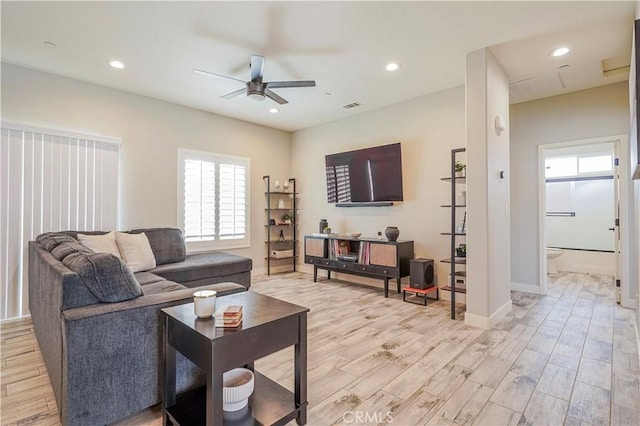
(376, 258)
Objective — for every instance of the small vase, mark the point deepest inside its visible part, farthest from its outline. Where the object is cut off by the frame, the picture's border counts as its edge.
(392, 233)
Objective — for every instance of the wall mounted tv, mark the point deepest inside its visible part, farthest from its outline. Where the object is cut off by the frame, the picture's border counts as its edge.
(366, 177)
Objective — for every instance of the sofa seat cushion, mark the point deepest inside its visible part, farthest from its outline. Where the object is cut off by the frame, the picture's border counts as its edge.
(201, 266)
(159, 287)
(226, 288)
(145, 278)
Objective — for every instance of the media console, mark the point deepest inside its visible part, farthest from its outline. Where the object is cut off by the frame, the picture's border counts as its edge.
(374, 258)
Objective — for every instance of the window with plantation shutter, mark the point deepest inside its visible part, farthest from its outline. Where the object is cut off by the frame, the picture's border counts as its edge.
(338, 184)
(213, 200)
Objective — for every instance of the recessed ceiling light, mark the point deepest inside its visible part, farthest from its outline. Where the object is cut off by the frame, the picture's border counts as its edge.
(392, 66)
(560, 51)
(274, 110)
(116, 64)
(49, 44)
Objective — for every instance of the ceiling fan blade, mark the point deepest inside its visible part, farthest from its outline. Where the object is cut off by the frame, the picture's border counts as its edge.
(271, 95)
(257, 66)
(211, 74)
(234, 94)
(285, 84)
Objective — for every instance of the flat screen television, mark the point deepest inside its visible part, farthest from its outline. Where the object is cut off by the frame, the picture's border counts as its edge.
(371, 175)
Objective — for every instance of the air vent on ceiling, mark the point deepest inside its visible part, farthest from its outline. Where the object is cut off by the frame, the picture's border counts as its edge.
(352, 105)
(536, 87)
(613, 67)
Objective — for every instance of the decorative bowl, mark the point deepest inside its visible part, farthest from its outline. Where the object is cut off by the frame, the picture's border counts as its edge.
(354, 234)
(237, 388)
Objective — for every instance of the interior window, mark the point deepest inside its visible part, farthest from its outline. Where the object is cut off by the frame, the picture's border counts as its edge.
(561, 167)
(596, 163)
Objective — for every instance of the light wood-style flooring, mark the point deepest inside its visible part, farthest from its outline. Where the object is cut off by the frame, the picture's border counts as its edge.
(566, 358)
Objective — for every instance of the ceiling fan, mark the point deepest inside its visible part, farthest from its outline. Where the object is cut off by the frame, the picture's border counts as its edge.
(255, 88)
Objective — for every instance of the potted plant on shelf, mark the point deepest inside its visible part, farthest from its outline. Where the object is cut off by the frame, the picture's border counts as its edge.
(459, 168)
(286, 219)
(461, 251)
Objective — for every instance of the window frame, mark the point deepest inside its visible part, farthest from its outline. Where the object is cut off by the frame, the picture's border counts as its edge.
(577, 157)
(216, 243)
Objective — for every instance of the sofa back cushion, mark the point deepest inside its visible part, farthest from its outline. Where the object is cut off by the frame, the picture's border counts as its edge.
(51, 240)
(167, 244)
(65, 249)
(105, 275)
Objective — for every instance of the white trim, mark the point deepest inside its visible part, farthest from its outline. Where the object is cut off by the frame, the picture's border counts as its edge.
(526, 288)
(486, 323)
(258, 272)
(625, 219)
(306, 268)
(15, 319)
(542, 224)
(60, 132)
(635, 327)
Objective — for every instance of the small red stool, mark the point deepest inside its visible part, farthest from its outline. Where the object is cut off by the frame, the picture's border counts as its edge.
(417, 291)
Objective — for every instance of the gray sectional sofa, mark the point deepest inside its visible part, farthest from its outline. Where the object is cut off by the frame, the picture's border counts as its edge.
(105, 359)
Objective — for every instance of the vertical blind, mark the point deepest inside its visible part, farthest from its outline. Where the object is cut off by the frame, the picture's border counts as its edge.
(49, 181)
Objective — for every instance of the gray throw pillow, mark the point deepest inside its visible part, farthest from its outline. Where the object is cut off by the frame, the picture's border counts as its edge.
(65, 249)
(167, 244)
(51, 240)
(106, 276)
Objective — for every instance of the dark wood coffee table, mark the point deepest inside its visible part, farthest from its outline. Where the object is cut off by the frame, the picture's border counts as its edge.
(269, 325)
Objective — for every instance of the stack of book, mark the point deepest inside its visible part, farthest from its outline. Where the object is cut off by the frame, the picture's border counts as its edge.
(229, 316)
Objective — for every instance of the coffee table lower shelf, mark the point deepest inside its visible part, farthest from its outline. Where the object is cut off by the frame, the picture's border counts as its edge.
(270, 404)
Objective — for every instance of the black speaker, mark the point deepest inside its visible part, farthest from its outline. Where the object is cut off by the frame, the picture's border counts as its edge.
(422, 273)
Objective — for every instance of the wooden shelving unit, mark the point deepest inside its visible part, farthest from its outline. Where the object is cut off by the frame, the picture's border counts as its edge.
(379, 259)
(458, 262)
(290, 231)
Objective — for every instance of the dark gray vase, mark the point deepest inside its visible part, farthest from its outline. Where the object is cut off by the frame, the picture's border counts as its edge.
(392, 233)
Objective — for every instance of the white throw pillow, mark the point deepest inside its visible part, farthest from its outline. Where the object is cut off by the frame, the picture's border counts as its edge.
(136, 251)
(101, 243)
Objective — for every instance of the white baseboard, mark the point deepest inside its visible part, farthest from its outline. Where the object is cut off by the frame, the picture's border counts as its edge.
(636, 323)
(15, 319)
(259, 271)
(446, 295)
(487, 322)
(305, 268)
(525, 288)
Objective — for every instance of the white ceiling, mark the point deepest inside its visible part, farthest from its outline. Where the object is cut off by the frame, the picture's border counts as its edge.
(344, 46)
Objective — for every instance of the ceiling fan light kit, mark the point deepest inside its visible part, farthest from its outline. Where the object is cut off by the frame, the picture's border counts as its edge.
(256, 89)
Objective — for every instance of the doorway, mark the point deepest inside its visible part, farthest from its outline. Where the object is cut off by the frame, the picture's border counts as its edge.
(582, 186)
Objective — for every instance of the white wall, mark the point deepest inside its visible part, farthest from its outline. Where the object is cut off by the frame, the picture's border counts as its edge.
(428, 128)
(603, 111)
(151, 132)
(488, 236)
